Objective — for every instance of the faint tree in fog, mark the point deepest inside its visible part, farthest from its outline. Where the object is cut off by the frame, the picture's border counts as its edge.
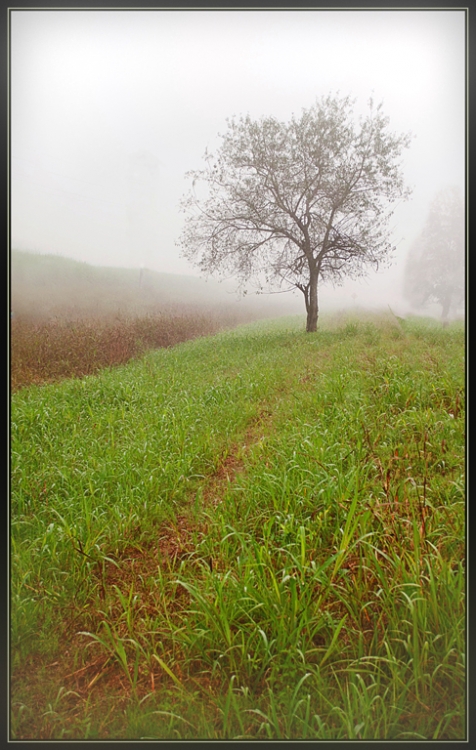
(289, 204)
(435, 270)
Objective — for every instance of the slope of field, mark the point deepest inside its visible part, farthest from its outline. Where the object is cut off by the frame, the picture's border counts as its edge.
(50, 350)
(71, 319)
(259, 534)
(45, 286)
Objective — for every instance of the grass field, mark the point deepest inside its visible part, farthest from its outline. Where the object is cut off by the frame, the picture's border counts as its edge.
(258, 534)
(50, 350)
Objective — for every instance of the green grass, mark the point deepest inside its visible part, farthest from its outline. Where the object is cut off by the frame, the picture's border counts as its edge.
(259, 534)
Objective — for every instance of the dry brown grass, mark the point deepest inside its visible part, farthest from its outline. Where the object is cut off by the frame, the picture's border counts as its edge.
(51, 349)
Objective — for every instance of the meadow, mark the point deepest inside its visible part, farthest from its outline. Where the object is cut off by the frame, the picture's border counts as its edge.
(256, 534)
(47, 350)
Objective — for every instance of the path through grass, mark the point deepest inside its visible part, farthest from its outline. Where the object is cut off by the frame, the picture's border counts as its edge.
(259, 534)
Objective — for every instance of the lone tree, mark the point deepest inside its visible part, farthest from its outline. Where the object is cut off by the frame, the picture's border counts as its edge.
(289, 204)
(435, 270)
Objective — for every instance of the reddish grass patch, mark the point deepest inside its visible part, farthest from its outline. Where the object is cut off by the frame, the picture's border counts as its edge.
(48, 350)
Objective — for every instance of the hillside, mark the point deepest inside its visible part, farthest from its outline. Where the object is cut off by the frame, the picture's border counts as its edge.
(51, 285)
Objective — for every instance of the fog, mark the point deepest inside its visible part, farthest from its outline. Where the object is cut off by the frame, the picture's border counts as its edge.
(110, 108)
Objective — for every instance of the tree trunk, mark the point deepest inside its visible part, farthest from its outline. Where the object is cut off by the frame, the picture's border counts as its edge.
(446, 304)
(312, 306)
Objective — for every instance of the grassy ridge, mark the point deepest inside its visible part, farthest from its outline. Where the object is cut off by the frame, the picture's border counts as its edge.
(259, 534)
(52, 286)
(45, 286)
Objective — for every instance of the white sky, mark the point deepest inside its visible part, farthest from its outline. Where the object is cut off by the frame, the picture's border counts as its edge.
(110, 108)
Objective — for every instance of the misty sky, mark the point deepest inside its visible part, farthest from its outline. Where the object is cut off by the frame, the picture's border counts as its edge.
(110, 108)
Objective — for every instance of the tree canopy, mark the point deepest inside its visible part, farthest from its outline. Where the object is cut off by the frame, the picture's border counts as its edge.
(435, 270)
(289, 204)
